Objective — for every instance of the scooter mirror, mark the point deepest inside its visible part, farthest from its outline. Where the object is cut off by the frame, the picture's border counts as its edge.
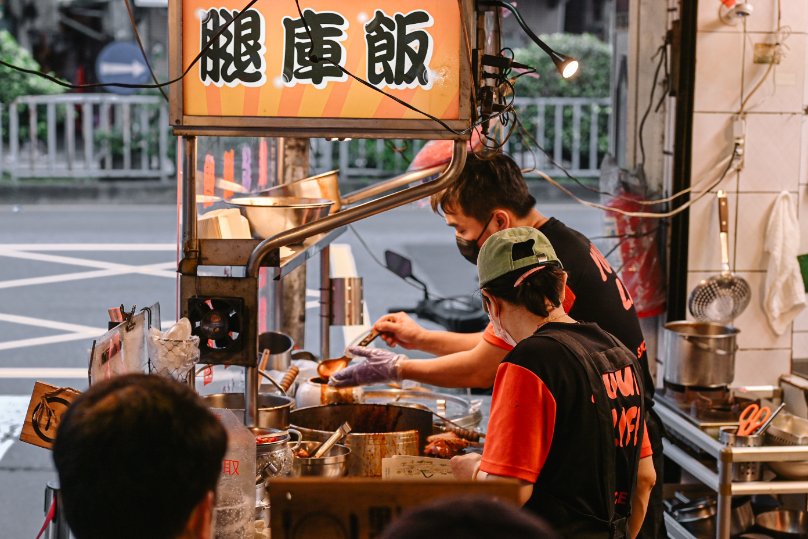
(398, 264)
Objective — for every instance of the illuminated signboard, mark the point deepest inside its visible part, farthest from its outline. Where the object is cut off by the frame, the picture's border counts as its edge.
(272, 72)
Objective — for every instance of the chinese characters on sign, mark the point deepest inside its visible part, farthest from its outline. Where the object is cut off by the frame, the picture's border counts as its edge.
(237, 56)
(399, 49)
(316, 60)
(230, 467)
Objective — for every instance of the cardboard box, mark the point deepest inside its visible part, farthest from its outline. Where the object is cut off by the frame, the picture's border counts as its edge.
(44, 414)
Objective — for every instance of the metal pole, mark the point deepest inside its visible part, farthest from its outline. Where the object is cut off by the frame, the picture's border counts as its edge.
(190, 241)
(724, 516)
(325, 303)
(361, 211)
(57, 529)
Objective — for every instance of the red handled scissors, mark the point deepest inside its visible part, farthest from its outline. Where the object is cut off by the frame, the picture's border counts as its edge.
(752, 417)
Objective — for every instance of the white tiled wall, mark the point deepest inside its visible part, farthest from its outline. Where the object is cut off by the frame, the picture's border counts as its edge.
(776, 159)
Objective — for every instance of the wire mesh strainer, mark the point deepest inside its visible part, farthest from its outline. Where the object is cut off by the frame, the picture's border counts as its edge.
(721, 298)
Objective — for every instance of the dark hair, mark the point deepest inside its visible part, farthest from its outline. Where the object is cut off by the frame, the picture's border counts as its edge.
(534, 293)
(468, 517)
(135, 455)
(484, 185)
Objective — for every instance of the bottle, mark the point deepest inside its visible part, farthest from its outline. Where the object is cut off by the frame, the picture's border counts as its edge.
(234, 513)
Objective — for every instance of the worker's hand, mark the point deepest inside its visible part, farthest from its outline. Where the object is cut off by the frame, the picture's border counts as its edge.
(398, 329)
(381, 367)
(464, 466)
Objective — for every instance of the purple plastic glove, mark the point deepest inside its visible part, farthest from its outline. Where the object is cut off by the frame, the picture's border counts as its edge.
(381, 367)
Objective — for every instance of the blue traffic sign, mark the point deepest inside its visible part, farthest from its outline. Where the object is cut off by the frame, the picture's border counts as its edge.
(122, 62)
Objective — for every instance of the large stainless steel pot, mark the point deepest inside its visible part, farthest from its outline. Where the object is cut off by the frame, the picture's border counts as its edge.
(273, 410)
(700, 354)
(325, 185)
(377, 431)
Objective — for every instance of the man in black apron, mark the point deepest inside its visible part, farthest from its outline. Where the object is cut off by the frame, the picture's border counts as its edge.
(567, 413)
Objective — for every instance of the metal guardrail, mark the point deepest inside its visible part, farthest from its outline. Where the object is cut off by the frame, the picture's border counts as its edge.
(574, 131)
(86, 136)
(112, 136)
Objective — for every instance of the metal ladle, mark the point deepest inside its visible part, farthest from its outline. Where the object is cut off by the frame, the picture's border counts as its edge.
(338, 435)
(328, 367)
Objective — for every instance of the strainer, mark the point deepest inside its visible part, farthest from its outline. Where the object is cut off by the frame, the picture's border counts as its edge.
(721, 298)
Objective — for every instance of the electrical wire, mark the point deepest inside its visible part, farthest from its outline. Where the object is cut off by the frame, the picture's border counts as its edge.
(733, 160)
(781, 34)
(663, 58)
(135, 30)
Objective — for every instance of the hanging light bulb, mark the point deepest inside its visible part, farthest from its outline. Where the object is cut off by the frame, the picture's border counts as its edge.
(566, 65)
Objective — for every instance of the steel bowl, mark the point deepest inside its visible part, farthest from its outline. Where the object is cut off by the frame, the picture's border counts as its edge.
(783, 523)
(269, 215)
(325, 185)
(273, 410)
(333, 464)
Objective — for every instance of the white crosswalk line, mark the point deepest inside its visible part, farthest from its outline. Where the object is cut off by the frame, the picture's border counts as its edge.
(66, 247)
(12, 415)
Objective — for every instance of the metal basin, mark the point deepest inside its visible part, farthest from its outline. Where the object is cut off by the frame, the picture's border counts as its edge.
(377, 431)
(783, 523)
(270, 215)
(333, 464)
(273, 410)
(325, 185)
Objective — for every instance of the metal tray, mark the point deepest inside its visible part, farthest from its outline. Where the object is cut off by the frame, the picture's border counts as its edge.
(464, 412)
(788, 429)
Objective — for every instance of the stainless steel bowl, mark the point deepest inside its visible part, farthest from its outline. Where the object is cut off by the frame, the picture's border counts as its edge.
(333, 464)
(269, 215)
(788, 429)
(325, 185)
(273, 410)
(783, 523)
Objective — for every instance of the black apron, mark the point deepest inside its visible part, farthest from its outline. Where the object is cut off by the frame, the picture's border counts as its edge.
(573, 522)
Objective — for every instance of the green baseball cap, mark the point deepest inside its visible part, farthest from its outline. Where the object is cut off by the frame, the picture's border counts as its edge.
(513, 249)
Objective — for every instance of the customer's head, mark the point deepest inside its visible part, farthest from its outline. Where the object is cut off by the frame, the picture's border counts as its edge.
(471, 517)
(139, 456)
(518, 269)
(489, 195)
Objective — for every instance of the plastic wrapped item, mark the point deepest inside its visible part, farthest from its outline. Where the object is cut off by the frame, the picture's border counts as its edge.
(175, 352)
(234, 513)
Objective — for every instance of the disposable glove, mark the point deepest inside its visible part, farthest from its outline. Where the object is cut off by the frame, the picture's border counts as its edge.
(381, 367)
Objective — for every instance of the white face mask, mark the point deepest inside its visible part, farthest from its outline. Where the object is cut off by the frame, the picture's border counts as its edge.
(500, 331)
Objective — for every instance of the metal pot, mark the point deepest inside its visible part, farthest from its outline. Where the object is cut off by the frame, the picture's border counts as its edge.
(325, 185)
(273, 410)
(784, 523)
(269, 216)
(377, 431)
(700, 354)
(280, 351)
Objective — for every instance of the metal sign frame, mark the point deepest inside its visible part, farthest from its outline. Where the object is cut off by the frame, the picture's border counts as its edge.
(312, 127)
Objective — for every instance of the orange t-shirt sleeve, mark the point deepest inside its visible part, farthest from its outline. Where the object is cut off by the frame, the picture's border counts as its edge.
(521, 425)
(645, 448)
(491, 338)
(569, 299)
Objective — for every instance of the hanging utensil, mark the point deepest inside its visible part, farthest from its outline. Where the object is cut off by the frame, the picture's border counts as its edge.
(328, 367)
(723, 297)
(338, 435)
(765, 426)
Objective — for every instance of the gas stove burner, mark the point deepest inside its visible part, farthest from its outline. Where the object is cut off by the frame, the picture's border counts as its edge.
(705, 404)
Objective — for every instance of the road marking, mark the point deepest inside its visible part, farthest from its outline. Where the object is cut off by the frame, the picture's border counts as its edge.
(88, 247)
(44, 372)
(12, 416)
(155, 270)
(70, 260)
(51, 324)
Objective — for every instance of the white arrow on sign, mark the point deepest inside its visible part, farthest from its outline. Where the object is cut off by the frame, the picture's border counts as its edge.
(136, 69)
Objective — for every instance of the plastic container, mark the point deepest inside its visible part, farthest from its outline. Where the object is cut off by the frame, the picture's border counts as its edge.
(234, 513)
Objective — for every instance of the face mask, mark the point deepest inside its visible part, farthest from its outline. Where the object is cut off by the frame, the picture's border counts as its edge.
(469, 249)
(499, 331)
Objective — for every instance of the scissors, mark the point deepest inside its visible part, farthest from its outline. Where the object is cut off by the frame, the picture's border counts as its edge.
(752, 417)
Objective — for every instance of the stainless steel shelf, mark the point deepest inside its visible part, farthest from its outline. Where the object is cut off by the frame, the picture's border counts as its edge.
(720, 481)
